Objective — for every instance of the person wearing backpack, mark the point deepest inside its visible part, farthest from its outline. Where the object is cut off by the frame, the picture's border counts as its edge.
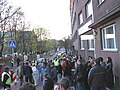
(79, 74)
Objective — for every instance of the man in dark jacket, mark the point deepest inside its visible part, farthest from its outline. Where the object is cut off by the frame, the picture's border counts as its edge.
(27, 70)
(49, 84)
(97, 76)
(59, 71)
(79, 74)
(53, 73)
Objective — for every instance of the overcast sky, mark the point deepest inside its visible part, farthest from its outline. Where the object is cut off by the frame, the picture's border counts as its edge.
(53, 15)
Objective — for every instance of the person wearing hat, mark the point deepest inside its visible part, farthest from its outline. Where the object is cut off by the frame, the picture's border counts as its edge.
(6, 78)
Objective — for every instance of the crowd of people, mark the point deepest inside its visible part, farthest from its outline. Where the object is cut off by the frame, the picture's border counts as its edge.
(65, 73)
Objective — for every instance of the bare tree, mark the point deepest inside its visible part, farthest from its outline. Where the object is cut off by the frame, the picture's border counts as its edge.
(7, 21)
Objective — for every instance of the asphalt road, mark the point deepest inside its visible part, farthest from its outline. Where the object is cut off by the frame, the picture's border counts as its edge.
(15, 87)
(38, 87)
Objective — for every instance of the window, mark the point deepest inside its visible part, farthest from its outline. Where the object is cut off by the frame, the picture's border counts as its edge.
(91, 44)
(82, 45)
(89, 9)
(108, 38)
(80, 17)
(100, 1)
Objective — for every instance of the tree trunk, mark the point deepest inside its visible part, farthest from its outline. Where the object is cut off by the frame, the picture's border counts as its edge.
(2, 44)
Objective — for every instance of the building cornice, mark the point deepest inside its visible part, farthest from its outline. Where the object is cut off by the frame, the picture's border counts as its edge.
(115, 12)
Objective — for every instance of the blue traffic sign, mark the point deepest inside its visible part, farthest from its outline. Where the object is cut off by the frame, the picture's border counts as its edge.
(12, 44)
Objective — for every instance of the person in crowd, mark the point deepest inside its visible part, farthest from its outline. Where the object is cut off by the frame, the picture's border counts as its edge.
(73, 64)
(80, 57)
(53, 73)
(56, 86)
(12, 63)
(68, 71)
(90, 58)
(6, 78)
(35, 74)
(35, 62)
(87, 69)
(97, 76)
(49, 84)
(39, 67)
(56, 62)
(20, 73)
(18, 61)
(59, 71)
(63, 63)
(49, 63)
(44, 69)
(64, 83)
(27, 86)
(102, 62)
(110, 80)
(80, 75)
(27, 70)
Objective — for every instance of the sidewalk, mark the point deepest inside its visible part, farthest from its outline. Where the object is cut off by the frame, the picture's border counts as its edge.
(15, 87)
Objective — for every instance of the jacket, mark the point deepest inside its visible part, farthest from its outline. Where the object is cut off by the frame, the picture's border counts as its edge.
(6, 78)
(48, 84)
(27, 71)
(97, 76)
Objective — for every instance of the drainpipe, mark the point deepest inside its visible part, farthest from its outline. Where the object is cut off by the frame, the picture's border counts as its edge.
(94, 36)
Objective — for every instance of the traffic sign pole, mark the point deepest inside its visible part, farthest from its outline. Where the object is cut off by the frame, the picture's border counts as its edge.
(13, 56)
(12, 44)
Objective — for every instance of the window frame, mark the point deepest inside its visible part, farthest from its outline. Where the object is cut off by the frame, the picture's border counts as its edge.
(106, 36)
(80, 18)
(90, 45)
(87, 9)
(82, 44)
(100, 1)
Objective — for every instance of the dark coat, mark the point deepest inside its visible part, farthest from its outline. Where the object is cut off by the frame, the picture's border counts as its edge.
(67, 69)
(97, 76)
(59, 69)
(53, 74)
(80, 73)
(110, 77)
(48, 84)
(27, 71)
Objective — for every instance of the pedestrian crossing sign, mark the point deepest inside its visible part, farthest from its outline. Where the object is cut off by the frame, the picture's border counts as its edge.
(12, 44)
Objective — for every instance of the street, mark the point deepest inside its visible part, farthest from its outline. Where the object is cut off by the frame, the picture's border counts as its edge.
(15, 87)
